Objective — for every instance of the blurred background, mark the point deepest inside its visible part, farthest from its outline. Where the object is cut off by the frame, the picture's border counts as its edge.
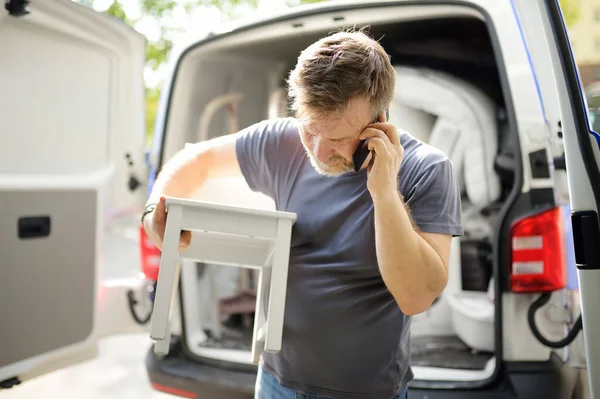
(583, 23)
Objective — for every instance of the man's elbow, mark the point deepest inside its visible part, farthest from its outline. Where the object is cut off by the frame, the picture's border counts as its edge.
(437, 285)
(419, 303)
(415, 306)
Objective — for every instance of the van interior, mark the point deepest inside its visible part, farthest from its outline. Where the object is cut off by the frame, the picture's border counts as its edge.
(448, 94)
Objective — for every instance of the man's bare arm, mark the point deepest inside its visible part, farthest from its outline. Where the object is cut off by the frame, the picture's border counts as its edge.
(187, 170)
(414, 265)
(184, 174)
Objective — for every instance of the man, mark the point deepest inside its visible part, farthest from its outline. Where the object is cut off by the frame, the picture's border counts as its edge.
(369, 249)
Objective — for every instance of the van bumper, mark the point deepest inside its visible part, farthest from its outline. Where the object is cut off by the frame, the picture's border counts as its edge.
(177, 374)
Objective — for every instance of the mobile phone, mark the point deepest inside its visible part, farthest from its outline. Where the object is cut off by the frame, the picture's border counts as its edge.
(362, 151)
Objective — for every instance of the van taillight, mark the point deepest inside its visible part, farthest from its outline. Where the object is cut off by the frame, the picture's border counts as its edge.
(538, 253)
(150, 256)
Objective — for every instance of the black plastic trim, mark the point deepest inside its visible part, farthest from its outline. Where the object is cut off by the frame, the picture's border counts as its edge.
(542, 197)
(586, 236)
(540, 169)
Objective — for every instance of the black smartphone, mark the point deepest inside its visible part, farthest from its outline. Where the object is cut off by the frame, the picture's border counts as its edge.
(362, 151)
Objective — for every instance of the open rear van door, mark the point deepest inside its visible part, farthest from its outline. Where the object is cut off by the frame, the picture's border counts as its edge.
(544, 31)
(71, 108)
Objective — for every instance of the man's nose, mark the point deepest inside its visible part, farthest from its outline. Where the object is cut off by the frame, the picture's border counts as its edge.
(322, 150)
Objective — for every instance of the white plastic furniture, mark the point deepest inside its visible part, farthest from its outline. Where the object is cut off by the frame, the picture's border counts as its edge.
(234, 236)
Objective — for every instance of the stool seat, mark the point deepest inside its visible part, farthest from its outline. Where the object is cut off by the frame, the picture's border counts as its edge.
(232, 236)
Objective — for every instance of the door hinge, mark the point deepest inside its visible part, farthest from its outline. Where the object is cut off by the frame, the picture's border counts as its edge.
(17, 8)
(133, 181)
(586, 236)
(11, 382)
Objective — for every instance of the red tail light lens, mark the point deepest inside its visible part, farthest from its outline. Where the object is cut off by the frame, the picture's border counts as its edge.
(538, 253)
(150, 256)
(174, 391)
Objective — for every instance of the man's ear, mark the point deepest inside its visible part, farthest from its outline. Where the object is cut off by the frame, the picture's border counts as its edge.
(382, 116)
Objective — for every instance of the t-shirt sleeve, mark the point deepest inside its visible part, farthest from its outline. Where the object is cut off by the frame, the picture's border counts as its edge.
(434, 200)
(257, 149)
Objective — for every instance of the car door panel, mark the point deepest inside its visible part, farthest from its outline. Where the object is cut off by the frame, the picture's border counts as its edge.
(49, 303)
(71, 108)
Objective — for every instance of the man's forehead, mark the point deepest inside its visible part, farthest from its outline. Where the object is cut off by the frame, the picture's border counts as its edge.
(334, 126)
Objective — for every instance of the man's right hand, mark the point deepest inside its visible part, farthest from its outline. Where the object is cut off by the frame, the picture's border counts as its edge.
(155, 224)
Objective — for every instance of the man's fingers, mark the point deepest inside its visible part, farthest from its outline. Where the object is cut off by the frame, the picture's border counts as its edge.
(159, 223)
(185, 239)
(374, 133)
(378, 145)
(160, 211)
(159, 218)
(389, 130)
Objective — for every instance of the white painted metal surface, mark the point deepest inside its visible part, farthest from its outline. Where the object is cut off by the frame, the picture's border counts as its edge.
(234, 236)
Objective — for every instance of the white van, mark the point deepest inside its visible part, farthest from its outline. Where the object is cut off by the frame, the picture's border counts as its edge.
(480, 79)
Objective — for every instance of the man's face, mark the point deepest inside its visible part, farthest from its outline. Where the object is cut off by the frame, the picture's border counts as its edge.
(331, 140)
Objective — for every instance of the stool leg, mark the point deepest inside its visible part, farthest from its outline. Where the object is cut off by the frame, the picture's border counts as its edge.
(167, 281)
(215, 306)
(258, 342)
(279, 273)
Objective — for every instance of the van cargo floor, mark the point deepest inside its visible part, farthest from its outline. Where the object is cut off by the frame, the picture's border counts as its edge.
(427, 351)
(446, 352)
(231, 338)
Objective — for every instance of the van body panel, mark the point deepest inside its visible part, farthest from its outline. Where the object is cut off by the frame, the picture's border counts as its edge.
(72, 108)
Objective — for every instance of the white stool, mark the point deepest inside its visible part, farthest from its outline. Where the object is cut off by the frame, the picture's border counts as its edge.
(234, 236)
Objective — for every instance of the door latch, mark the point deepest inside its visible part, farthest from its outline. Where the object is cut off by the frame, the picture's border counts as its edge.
(17, 8)
(34, 227)
(586, 235)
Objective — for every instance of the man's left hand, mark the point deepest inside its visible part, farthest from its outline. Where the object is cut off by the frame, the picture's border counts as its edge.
(386, 158)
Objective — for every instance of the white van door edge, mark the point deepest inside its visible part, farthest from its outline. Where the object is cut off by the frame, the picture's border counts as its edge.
(71, 109)
(556, 68)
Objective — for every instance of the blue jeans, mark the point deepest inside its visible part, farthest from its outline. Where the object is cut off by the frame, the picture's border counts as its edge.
(267, 387)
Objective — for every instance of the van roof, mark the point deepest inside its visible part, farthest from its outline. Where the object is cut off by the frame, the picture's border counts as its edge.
(303, 10)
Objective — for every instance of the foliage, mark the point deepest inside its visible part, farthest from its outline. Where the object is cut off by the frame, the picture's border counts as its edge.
(152, 97)
(571, 11)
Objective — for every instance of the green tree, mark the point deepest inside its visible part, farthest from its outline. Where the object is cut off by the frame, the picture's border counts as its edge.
(571, 11)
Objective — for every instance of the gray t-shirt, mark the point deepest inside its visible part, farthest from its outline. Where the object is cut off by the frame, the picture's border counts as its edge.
(344, 336)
